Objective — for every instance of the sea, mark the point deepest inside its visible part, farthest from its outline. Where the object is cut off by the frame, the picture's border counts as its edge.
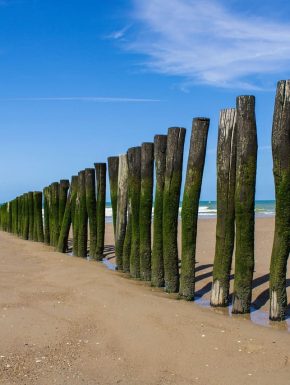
(207, 209)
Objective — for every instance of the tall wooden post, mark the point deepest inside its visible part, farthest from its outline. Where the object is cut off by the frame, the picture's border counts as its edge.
(101, 170)
(225, 227)
(195, 166)
(63, 191)
(281, 169)
(46, 198)
(157, 268)
(113, 167)
(75, 204)
(91, 208)
(38, 222)
(245, 203)
(54, 217)
(128, 236)
(82, 217)
(171, 199)
(147, 164)
(26, 216)
(134, 178)
(121, 220)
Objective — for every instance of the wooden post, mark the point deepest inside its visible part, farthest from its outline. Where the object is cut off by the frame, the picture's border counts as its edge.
(128, 237)
(122, 200)
(101, 170)
(195, 166)
(67, 219)
(157, 268)
(147, 164)
(171, 199)
(91, 209)
(54, 217)
(281, 169)
(75, 213)
(113, 167)
(225, 226)
(38, 222)
(245, 203)
(46, 215)
(134, 179)
(63, 190)
(82, 217)
(26, 217)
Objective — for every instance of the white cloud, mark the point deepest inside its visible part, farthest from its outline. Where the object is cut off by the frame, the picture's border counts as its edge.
(96, 99)
(205, 42)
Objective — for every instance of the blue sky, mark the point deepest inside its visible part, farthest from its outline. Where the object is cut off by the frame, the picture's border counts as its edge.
(82, 80)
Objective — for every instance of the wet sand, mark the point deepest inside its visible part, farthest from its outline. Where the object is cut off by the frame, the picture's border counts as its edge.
(64, 320)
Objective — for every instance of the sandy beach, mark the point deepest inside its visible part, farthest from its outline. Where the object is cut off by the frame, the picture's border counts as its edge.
(65, 320)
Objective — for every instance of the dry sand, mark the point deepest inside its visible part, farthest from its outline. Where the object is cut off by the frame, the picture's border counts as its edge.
(64, 320)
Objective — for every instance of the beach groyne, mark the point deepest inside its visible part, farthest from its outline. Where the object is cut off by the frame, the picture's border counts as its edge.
(79, 207)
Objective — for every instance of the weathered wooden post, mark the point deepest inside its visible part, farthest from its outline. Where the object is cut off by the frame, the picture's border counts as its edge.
(31, 231)
(122, 200)
(281, 169)
(63, 191)
(171, 199)
(90, 181)
(54, 217)
(128, 236)
(46, 215)
(225, 226)
(82, 216)
(101, 170)
(134, 180)
(245, 203)
(67, 218)
(75, 213)
(26, 218)
(113, 167)
(189, 214)
(157, 268)
(145, 214)
(37, 209)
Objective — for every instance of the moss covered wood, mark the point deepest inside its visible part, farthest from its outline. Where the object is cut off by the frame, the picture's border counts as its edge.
(128, 238)
(113, 168)
(190, 202)
(91, 209)
(171, 199)
(82, 217)
(157, 264)
(37, 197)
(122, 203)
(145, 214)
(25, 216)
(225, 226)
(281, 169)
(62, 245)
(54, 213)
(245, 203)
(46, 215)
(134, 180)
(63, 191)
(101, 171)
(75, 204)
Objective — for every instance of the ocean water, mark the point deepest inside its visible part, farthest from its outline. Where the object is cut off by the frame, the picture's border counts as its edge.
(207, 209)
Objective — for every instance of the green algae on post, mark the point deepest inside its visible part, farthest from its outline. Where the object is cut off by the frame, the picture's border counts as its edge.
(245, 203)
(54, 214)
(90, 181)
(75, 213)
(63, 190)
(171, 199)
(145, 214)
(46, 215)
(38, 223)
(281, 170)
(225, 226)
(128, 239)
(157, 265)
(113, 167)
(122, 200)
(101, 170)
(82, 217)
(134, 180)
(31, 234)
(190, 202)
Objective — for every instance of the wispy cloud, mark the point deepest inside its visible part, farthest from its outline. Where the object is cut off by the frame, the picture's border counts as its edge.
(119, 34)
(94, 99)
(206, 42)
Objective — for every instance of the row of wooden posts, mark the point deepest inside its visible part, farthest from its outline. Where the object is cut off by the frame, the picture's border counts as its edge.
(131, 185)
